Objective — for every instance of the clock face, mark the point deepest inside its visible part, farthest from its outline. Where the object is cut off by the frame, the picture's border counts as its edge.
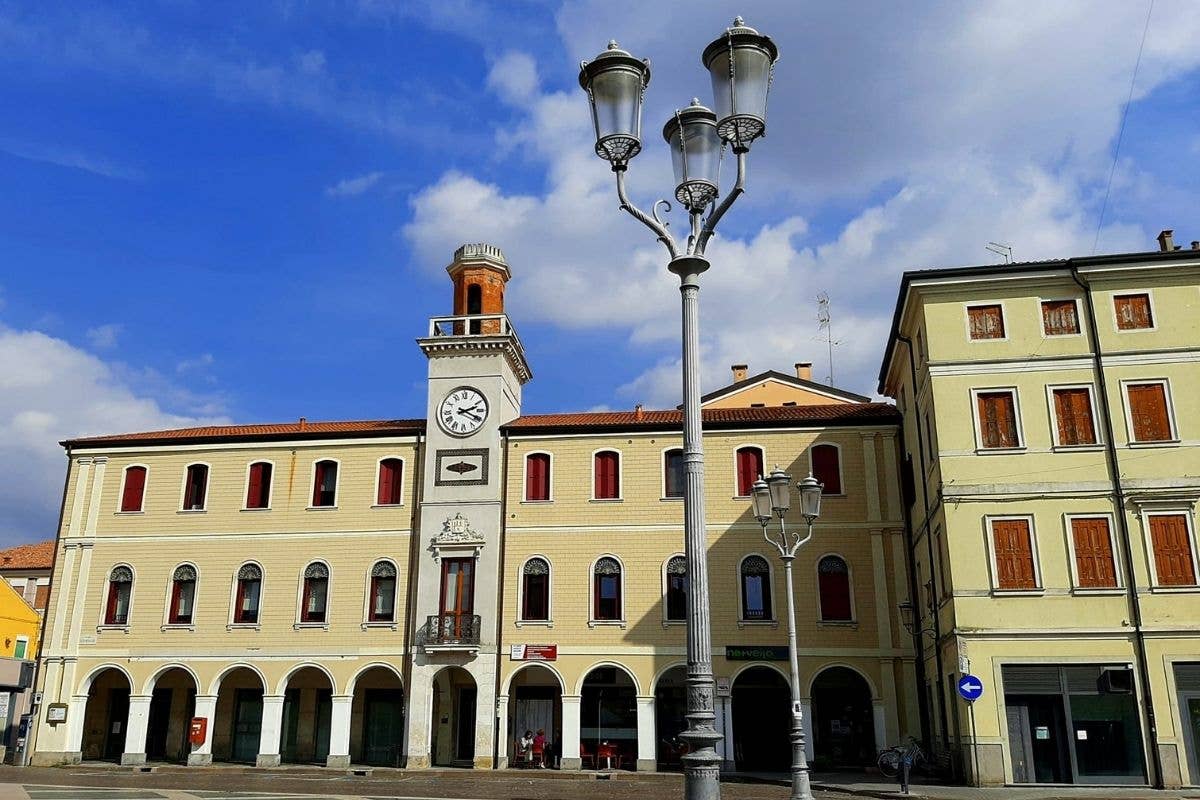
(462, 412)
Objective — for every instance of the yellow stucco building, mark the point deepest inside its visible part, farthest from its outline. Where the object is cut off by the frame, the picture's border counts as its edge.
(1050, 436)
(422, 592)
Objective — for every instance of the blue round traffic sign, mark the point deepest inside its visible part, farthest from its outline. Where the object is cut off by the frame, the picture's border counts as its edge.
(970, 687)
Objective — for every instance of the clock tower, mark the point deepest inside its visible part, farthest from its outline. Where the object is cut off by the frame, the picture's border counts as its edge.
(476, 370)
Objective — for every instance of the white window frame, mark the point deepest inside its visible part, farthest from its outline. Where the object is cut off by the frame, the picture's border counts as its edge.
(1052, 409)
(841, 470)
(762, 451)
(1042, 317)
(1149, 300)
(102, 625)
(1170, 510)
(592, 621)
(1016, 395)
(662, 466)
(1171, 421)
(549, 477)
(1068, 519)
(665, 620)
(521, 622)
(183, 487)
(977, 304)
(620, 476)
(246, 486)
(300, 592)
(25, 655)
(231, 622)
(145, 485)
(166, 619)
(337, 486)
(367, 622)
(1040, 588)
(849, 577)
(375, 492)
(773, 621)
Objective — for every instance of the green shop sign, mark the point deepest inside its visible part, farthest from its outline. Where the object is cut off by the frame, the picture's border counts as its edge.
(760, 653)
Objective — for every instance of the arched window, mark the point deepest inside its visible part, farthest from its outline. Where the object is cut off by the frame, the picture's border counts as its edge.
(120, 589)
(537, 477)
(677, 587)
(195, 487)
(258, 488)
(134, 489)
(535, 590)
(325, 484)
(383, 592)
(607, 589)
(749, 468)
(673, 474)
(833, 579)
(315, 596)
(475, 305)
(183, 595)
(827, 467)
(756, 588)
(391, 482)
(607, 471)
(249, 591)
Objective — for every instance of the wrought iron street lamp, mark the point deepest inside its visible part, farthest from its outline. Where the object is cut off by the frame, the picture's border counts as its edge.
(740, 63)
(914, 626)
(771, 498)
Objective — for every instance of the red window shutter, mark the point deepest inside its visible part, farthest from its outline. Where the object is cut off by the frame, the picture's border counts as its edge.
(986, 322)
(135, 485)
(1059, 317)
(1093, 553)
(1148, 410)
(254, 492)
(176, 589)
(1173, 559)
(537, 477)
(318, 482)
(1073, 409)
(749, 468)
(391, 475)
(833, 582)
(826, 468)
(1133, 311)
(607, 477)
(997, 419)
(110, 610)
(1013, 547)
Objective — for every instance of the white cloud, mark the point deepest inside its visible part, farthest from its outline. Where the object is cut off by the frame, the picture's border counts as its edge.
(197, 364)
(68, 157)
(514, 77)
(104, 337)
(49, 391)
(352, 187)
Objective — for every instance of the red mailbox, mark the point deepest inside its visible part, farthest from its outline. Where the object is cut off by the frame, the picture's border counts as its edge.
(198, 730)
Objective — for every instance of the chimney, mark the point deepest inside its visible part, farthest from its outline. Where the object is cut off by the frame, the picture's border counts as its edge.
(804, 370)
(303, 422)
(1166, 241)
(638, 413)
(739, 372)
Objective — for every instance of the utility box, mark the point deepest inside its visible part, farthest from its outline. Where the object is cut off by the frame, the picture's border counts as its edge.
(198, 730)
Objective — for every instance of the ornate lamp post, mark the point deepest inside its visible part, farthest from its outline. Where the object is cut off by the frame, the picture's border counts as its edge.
(740, 63)
(771, 498)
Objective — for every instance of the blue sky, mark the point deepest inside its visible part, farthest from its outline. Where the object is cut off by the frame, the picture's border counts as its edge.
(243, 211)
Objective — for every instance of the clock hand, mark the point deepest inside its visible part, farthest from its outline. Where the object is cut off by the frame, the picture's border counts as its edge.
(465, 412)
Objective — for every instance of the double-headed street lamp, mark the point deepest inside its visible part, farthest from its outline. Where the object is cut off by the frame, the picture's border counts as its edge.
(772, 498)
(741, 63)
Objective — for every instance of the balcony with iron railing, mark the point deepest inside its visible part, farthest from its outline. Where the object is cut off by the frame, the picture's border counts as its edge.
(472, 325)
(486, 331)
(452, 631)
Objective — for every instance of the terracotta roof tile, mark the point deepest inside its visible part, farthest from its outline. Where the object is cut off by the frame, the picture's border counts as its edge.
(39, 555)
(772, 416)
(268, 431)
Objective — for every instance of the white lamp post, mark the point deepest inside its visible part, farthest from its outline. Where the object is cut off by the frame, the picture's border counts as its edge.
(771, 498)
(740, 63)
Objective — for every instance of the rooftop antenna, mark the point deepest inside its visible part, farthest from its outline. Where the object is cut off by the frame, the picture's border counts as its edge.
(825, 323)
(1000, 250)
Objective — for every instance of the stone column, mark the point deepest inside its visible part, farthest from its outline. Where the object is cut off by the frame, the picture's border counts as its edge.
(502, 731)
(206, 707)
(806, 710)
(570, 732)
(339, 731)
(272, 725)
(76, 709)
(135, 730)
(647, 760)
(879, 715)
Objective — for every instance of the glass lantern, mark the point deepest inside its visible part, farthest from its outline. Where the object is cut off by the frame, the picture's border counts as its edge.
(741, 63)
(810, 497)
(615, 82)
(695, 154)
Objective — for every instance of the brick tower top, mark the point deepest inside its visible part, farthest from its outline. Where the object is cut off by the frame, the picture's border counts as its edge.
(479, 272)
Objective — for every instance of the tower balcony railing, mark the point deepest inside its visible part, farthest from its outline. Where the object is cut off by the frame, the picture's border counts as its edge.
(472, 325)
(453, 630)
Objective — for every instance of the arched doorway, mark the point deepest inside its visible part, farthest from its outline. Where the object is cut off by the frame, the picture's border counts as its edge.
(608, 719)
(762, 721)
(172, 706)
(452, 728)
(106, 716)
(237, 726)
(307, 711)
(535, 704)
(843, 727)
(377, 718)
(670, 706)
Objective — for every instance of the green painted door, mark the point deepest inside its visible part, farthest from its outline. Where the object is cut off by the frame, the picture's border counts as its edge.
(247, 725)
(384, 711)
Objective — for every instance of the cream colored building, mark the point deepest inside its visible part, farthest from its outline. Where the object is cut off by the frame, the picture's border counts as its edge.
(420, 592)
(1051, 434)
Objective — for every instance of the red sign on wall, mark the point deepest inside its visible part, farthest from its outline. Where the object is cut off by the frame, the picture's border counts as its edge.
(533, 652)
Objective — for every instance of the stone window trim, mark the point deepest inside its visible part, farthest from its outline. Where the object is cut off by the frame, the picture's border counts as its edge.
(125, 475)
(1043, 302)
(1038, 587)
(380, 568)
(760, 565)
(1152, 311)
(1171, 420)
(980, 447)
(270, 486)
(1052, 408)
(379, 462)
(606, 564)
(979, 310)
(674, 564)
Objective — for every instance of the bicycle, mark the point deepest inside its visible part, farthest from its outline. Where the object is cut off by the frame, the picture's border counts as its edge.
(891, 761)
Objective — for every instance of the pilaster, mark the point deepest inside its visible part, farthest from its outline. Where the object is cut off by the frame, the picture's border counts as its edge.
(135, 730)
(646, 760)
(272, 723)
(339, 731)
(206, 707)
(570, 731)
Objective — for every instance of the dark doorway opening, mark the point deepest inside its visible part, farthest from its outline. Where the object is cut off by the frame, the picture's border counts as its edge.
(762, 721)
(843, 722)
